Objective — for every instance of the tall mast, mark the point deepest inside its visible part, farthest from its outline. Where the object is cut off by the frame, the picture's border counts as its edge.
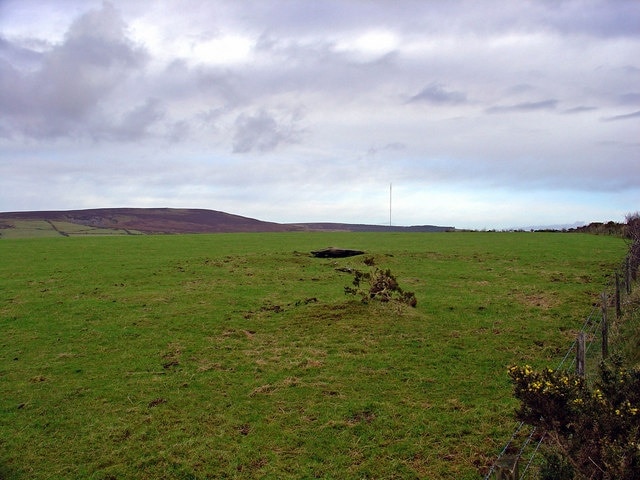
(390, 190)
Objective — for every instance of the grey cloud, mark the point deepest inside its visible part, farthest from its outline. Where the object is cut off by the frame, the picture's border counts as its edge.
(99, 38)
(134, 124)
(605, 18)
(631, 97)
(95, 56)
(520, 88)
(393, 147)
(597, 18)
(580, 109)
(74, 78)
(436, 94)
(178, 131)
(630, 69)
(262, 132)
(524, 107)
(627, 116)
(19, 55)
(179, 80)
(615, 144)
(316, 66)
(13, 94)
(389, 147)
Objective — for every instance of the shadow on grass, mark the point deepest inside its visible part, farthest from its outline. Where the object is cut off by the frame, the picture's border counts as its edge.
(7, 473)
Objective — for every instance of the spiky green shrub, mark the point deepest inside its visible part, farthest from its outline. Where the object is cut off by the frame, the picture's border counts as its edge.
(592, 430)
(381, 285)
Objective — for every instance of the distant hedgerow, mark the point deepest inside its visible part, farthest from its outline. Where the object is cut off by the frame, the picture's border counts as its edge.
(379, 285)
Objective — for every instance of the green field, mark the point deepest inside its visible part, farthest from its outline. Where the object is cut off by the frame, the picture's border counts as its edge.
(44, 229)
(239, 356)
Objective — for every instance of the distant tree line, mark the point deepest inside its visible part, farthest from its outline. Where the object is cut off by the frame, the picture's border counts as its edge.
(602, 228)
(630, 229)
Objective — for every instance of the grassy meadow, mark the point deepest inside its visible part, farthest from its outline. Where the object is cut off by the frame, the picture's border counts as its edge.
(239, 356)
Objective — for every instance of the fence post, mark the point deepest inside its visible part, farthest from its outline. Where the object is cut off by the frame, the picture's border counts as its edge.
(627, 271)
(605, 327)
(507, 468)
(580, 355)
(618, 309)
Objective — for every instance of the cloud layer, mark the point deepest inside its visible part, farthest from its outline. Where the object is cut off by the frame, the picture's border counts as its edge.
(487, 114)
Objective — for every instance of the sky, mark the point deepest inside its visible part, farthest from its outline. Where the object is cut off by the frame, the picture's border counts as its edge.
(480, 114)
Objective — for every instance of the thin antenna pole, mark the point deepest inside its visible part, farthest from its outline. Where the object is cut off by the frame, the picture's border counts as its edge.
(390, 191)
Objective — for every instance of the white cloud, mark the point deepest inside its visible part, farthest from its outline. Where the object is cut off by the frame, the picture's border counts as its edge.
(308, 110)
(224, 50)
(369, 45)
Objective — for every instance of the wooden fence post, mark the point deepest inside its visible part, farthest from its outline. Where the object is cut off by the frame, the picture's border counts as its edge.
(507, 468)
(580, 355)
(605, 327)
(627, 271)
(618, 309)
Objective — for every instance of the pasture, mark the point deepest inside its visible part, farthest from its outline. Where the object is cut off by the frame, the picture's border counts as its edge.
(239, 356)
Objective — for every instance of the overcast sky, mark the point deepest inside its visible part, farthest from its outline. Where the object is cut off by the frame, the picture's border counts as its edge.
(480, 113)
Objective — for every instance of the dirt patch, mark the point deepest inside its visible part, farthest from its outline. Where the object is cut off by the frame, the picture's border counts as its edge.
(537, 300)
(171, 358)
(156, 401)
(364, 416)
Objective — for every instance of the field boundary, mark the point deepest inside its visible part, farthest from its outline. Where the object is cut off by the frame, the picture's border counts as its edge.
(519, 454)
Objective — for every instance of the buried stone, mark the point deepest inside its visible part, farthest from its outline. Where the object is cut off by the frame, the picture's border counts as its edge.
(333, 252)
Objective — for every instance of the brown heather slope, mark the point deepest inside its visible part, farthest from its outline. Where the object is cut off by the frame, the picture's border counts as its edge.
(178, 220)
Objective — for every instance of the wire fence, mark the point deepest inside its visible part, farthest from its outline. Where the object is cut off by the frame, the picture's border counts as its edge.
(518, 459)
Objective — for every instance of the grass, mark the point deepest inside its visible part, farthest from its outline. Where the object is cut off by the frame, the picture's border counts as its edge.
(15, 229)
(625, 334)
(239, 356)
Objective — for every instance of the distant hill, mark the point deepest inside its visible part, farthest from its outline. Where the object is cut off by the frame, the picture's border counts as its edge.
(106, 221)
(348, 227)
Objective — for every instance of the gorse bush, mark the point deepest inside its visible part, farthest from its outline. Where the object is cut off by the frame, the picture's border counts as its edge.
(592, 431)
(379, 285)
(555, 468)
(633, 233)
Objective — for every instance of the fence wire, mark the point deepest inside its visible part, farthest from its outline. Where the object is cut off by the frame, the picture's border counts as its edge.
(531, 442)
